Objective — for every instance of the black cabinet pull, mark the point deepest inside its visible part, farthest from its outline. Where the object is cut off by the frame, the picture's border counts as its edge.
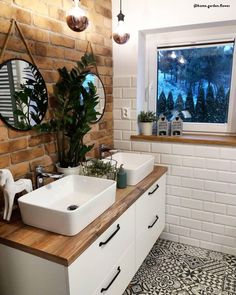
(112, 281)
(150, 193)
(150, 226)
(115, 232)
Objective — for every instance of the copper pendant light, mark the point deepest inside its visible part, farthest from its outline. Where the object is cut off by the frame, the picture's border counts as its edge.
(120, 35)
(76, 18)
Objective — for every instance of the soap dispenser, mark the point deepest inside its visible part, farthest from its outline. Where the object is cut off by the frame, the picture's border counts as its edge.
(121, 177)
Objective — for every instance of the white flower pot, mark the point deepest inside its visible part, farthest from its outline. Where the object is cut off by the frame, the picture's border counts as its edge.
(146, 128)
(70, 170)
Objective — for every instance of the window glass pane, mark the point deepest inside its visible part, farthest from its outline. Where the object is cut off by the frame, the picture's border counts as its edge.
(194, 82)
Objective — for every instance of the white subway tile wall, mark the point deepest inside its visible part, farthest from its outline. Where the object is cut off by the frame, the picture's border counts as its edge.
(201, 180)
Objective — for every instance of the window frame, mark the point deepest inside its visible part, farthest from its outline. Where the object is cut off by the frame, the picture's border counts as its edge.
(182, 37)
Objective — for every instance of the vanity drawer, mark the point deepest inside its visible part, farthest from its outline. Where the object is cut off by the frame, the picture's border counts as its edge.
(157, 189)
(150, 219)
(120, 276)
(92, 267)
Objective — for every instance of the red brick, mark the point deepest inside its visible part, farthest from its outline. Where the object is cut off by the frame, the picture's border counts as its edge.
(13, 145)
(20, 170)
(44, 63)
(74, 55)
(103, 11)
(47, 24)
(46, 50)
(4, 26)
(57, 13)
(36, 6)
(6, 10)
(40, 139)
(50, 148)
(35, 34)
(62, 41)
(22, 16)
(3, 133)
(4, 161)
(12, 133)
(44, 161)
(27, 155)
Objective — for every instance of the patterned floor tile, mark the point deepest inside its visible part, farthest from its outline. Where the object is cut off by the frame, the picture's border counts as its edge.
(176, 269)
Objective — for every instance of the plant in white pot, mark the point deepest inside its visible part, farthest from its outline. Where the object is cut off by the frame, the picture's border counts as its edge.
(73, 114)
(146, 120)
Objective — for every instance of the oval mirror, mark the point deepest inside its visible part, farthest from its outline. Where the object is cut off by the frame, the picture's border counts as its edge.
(100, 107)
(23, 94)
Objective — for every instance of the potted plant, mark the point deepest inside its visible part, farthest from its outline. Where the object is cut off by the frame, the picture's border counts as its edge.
(100, 168)
(73, 113)
(146, 120)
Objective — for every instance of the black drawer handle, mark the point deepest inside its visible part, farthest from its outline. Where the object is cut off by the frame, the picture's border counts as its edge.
(150, 193)
(150, 226)
(112, 281)
(115, 232)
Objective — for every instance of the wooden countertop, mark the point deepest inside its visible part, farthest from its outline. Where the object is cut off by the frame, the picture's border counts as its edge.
(63, 249)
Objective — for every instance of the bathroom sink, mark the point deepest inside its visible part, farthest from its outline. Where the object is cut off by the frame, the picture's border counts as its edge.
(137, 166)
(68, 205)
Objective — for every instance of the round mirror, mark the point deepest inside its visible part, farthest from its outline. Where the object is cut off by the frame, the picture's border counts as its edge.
(97, 82)
(23, 94)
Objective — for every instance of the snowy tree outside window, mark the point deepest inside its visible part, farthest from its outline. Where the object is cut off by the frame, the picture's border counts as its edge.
(194, 82)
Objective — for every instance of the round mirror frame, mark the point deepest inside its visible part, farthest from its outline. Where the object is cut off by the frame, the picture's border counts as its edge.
(103, 111)
(46, 95)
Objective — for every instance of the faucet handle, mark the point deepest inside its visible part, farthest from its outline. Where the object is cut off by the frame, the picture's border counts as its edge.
(39, 169)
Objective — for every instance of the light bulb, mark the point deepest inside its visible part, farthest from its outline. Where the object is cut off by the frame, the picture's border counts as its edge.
(120, 34)
(76, 18)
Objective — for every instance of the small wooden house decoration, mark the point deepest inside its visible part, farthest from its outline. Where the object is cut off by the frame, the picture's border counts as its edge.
(162, 126)
(177, 126)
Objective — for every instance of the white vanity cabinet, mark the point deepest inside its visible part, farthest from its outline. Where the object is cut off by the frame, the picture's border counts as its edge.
(105, 268)
(108, 262)
(150, 218)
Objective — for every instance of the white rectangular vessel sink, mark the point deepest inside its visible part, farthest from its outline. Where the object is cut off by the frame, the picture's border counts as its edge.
(137, 166)
(68, 205)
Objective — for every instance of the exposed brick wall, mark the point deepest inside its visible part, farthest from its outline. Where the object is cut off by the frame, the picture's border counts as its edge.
(54, 45)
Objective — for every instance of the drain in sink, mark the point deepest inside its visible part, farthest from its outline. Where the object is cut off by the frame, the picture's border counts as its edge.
(72, 207)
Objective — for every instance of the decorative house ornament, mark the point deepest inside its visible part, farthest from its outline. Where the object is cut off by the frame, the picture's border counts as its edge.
(162, 126)
(177, 126)
(76, 19)
(120, 35)
(10, 189)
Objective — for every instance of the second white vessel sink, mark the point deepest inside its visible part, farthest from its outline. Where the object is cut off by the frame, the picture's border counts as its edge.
(68, 205)
(137, 166)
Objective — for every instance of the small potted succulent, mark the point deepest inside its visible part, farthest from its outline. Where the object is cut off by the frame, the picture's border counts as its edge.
(146, 120)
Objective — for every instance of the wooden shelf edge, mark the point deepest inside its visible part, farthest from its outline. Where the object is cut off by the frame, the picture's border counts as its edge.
(221, 140)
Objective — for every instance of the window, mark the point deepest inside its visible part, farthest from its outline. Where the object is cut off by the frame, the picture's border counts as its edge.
(194, 81)
(190, 71)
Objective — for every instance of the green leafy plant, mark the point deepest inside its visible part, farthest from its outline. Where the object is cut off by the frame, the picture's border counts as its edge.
(100, 168)
(146, 116)
(31, 100)
(74, 111)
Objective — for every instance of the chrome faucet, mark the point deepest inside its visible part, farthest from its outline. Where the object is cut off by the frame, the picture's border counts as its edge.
(40, 175)
(103, 149)
(106, 151)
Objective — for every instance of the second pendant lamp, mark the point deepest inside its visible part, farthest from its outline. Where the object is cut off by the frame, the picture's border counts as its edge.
(120, 35)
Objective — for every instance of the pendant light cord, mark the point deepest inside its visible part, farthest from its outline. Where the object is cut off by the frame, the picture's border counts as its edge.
(121, 6)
